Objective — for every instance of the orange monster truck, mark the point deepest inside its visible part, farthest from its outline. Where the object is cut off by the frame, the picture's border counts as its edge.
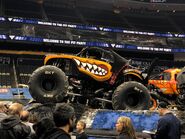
(166, 87)
(95, 77)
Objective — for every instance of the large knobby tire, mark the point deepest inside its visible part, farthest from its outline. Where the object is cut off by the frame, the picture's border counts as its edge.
(48, 84)
(131, 95)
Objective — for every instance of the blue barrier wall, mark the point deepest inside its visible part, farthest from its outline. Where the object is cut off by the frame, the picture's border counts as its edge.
(106, 119)
(6, 93)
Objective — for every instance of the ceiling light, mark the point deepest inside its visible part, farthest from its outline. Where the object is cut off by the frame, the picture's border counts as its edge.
(117, 11)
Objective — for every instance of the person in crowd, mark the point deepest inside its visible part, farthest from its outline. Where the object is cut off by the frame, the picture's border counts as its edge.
(125, 128)
(41, 117)
(33, 118)
(44, 128)
(169, 126)
(12, 127)
(15, 109)
(80, 128)
(25, 119)
(3, 111)
(42, 111)
(60, 127)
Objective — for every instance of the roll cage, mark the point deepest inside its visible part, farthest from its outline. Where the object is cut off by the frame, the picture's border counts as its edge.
(111, 57)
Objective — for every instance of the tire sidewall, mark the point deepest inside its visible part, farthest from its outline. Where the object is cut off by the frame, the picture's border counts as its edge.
(131, 89)
(53, 74)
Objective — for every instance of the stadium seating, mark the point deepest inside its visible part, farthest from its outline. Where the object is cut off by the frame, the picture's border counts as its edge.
(24, 72)
(12, 73)
(5, 72)
(25, 67)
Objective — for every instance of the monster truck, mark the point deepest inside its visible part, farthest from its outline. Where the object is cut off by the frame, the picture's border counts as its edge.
(95, 77)
(168, 87)
(181, 88)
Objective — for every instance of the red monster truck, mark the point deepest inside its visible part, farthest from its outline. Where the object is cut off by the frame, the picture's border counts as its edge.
(168, 87)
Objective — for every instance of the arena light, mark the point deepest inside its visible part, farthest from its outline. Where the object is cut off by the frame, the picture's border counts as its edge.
(116, 7)
(117, 10)
(40, 1)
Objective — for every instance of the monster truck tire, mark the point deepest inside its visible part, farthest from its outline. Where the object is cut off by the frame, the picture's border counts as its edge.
(131, 95)
(48, 84)
(153, 104)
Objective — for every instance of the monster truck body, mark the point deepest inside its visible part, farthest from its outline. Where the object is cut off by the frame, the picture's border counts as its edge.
(99, 64)
(166, 82)
(166, 87)
(94, 77)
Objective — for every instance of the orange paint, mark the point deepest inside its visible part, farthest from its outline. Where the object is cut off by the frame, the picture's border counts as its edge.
(98, 70)
(167, 85)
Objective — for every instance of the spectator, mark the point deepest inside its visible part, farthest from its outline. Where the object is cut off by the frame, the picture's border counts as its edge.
(25, 119)
(39, 112)
(64, 121)
(12, 127)
(80, 127)
(24, 116)
(169, 126)
(33, 118)
(15, 109)
(44, 128)
(3, 111)
(125, 128)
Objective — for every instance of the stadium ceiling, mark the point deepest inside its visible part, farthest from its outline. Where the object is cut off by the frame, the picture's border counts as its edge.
(164, 5)
(132, 14)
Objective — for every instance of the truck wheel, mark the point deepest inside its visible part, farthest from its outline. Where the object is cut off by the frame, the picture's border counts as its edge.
(153, 104)
(48, 84)
(131, 95)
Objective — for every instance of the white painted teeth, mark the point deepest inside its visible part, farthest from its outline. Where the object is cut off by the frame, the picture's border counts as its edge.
(103, 70)
(94, 69)
(99, 69)
(84, 64)
(77, 61)
(89, 65)
(88, 70)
